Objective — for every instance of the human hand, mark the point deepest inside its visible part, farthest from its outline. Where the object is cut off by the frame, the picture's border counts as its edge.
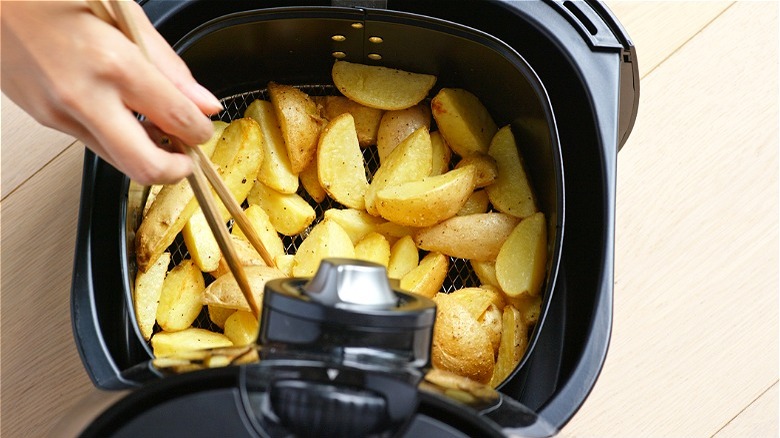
(76, 73)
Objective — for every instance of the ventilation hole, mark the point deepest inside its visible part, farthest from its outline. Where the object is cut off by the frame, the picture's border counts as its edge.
(338, 38)
(339, 55)
(374, 56)
(357, 25)
(375, 39)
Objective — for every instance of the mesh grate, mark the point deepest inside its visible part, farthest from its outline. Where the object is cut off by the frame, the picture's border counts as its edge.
(460, 273)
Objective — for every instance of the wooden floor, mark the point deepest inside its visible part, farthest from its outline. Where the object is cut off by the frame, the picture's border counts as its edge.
(694, 349)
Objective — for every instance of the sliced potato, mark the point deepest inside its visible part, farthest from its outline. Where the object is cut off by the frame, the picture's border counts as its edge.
(409, 161)
(311, 182)
(428, 201)
(511, 192)
(475, 236)
(477, 203)
(357, 223)
(247, 256)
(326, 239)
(153, 191)
(404, 256)
(201, 243)
(276, 171)
(289, 213)
(475, 299)
(366, 119)
(486, 272)
(461, 344)
(395, 126)
(218, 315)
(373, 248)
(441, 154)
(300, 121)
(529, 306)
(285, 263)
(180, 297)
(225, 292)
(340, 166)
(169, 343)
(241, 328)
(463, 121)
(146, 294)
(428, 277)
(393, 231)
(262, 225)
(487, 169)
(381, 87)
(492, 320)
(514, 341)
(521, 264)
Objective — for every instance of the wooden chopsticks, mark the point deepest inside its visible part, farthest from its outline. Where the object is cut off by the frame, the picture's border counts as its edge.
(120, 17)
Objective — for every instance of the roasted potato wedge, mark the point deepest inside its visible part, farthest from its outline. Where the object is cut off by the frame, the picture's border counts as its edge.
(218, 315)
(153, 191)
(180, 297)
(285, 264)
(404, 256)
(514, 341)
(492, 320)
(357, 223)
(373, 248)
(475, 299)
(381, 87)
(247, 256)
(486, 272)
(441, 156)
(427, 278)
(529, 306)
(311, 182)
(146, 294)
(511, 192)
(366, 119)
(340, 166)
(191, 339)
(474, 237)
(409, 161)
(224, 291)
(241, 328)
(395, 126)
(326, 239)
(276, 171)
(521, 264)
(300, 121)
(262, 225)
(290, 214)
(477, 203)
(463, 121)
(428, 201)
(201, 243)
(485, 165)
(461, 344)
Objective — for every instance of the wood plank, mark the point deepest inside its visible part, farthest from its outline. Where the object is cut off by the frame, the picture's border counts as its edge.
(42, 374)
(26, 144)
(659, 28)
(696, 288)
(757, 420)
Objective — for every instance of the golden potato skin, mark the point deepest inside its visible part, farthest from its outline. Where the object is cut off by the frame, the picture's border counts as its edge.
(366, 118)
(146, 294)
(476, 236)
(463, 121)
(381, 87)
(511, 192)
(180, 297)
(300, 121)
(340, 166)
(521, 264)
(395, 126)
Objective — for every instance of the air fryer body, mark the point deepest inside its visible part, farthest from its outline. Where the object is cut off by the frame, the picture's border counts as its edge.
(587, 68)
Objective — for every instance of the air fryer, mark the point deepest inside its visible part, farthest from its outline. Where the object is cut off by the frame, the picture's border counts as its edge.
(569, 63)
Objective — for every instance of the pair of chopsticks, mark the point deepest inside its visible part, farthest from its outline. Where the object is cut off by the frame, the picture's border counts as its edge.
(115, 12)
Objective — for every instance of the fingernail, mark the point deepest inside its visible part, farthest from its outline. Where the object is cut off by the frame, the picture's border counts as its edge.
(209, 98)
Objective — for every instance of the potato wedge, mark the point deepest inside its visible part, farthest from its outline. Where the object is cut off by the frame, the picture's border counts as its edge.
(247, 256)
(366, 119)
(441, 154)
(241, 328)
(201, 243)
(487, 169)
(395, 126)
(463, 121)
(340, 166)
(218, 315)
(264, 229)
(409, 161)
(224, 291)
(492, 321)
(153, 191)
(373, 248)
(311, 182)
(404, 256)
(393, 231)
(284, 263)
(475, 237)
(427, 278)
(521, 264)
(276, 171)
(290, 214)
(428, 201)
(191, 339)
(146, 294)
(180, 297)
(381, 87)
(486, 272)
(529, 306)
(461, 344)
(300, 121)
(357, 223)
(477, 203)
(326, 239)
(474, 299)
(511, 192)
(514, 341)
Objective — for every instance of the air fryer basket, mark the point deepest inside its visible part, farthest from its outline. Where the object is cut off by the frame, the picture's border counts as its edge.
(563, 74)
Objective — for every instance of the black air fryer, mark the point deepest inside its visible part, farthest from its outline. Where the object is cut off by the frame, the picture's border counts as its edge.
(563, 74)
